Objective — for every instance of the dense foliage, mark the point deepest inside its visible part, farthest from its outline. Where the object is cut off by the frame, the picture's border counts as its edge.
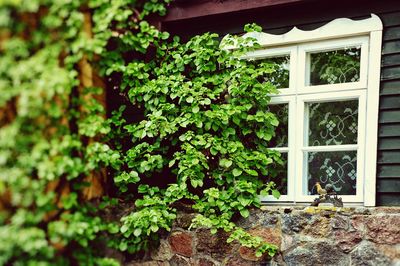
(190, 128)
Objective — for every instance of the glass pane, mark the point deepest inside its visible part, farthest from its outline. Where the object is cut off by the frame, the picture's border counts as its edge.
(278, 174)
(281, 111)
(280, 77)
(336, 168)
(338, 66)
(333, 123)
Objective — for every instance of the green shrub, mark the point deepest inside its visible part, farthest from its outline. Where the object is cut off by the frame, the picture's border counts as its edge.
(199, 135)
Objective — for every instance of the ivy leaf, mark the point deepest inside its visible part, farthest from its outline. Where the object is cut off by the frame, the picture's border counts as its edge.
(165, 35)
(124, 228)
(189, 99)
(195, 109)
(123, 246)
(70, 201)
(225, 163)
(207, 101)
(245, 213)
(237, 172)
(276, 193)
(244, 201)
(259, 253)
(154, 228)
(137, 232)
(252, 172)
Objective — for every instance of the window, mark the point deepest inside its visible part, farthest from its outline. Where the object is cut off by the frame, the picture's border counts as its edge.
(328, 108)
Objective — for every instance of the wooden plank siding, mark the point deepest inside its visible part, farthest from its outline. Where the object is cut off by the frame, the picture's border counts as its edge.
(388, 174)
(308, 15)
(185, 10)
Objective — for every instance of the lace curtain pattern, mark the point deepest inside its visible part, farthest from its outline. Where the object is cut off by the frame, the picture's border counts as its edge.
(333, 123)
(338, 66)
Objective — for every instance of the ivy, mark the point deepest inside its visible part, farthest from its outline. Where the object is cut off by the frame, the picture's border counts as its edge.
(190, 128)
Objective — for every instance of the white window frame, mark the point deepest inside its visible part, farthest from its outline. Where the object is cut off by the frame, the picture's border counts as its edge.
(301, 138)
(338, 33)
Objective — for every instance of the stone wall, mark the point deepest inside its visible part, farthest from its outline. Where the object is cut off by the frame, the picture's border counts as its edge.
(306, 236)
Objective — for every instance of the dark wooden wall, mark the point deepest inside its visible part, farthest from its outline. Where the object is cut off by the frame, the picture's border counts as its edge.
(388, 182)
(308, 15)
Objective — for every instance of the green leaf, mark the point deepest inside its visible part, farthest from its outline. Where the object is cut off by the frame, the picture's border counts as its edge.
(252, 172)
(123, 246)
(124, 228)
(165, 35)
(276, 193)
(245, 213)
(137, 232)
(189, 99)
(70, 201)
(154, 228)
(237, 172)
(225, 163)
(195, 109)
(244, 201)
(259, 253)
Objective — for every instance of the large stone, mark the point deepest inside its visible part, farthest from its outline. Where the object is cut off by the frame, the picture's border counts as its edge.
(213, 245)
(183, 220)
(181, 243)
(384, 229)
(340, 222)
(178, 260)
(239, 261)
(270, 220)
(293, 223)
(386, 210)
(148, 263)
(205, 262)
(346, 241)
(358, 224)
(269, 235)
(259, 218)
(316, 253)
(248, 254)
(298, 256)
(362, 210)
(288, 242)
(390, 251)
(367, 254)
(319, 227)
(163, 252)
(252, 220)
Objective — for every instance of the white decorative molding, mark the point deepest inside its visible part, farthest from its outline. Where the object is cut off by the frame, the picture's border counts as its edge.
(341, 27)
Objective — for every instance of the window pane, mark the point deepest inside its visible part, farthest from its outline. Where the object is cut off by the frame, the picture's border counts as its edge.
(280, 77)
(333, 123)
(338, 66)
(281, 133)
(336, 168)
(278, 174)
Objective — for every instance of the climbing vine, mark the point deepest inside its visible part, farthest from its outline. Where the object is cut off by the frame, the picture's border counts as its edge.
(187, 125)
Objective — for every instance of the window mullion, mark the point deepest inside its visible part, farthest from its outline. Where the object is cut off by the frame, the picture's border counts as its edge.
(347, 147)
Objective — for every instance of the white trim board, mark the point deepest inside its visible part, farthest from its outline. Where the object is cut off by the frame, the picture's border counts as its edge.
(341, 27)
